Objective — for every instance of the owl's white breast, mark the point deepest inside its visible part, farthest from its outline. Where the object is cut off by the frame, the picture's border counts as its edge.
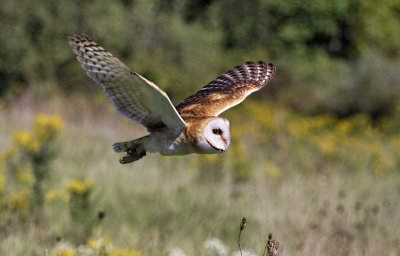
(169, 144)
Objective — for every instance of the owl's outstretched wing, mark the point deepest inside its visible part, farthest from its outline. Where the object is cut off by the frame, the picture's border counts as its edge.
(133, 95)
(227, 90)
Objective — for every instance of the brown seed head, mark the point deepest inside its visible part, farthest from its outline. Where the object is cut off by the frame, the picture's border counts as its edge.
(272, 246)
(243, 223)
(101, 214)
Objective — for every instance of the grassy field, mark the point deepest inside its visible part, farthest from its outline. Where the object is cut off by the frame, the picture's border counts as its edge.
(321, 185)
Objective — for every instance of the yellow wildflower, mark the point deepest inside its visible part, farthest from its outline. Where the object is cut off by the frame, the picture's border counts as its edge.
(25, 176)
(272, 170)
(18, 202)
(79, 187)
(301, 126)
(52, 195)
(344, 125)
(91, 242)
(46, 126)
(65, 252)
(326, 143)
(26, 140)
(123, 252)
(99, 243)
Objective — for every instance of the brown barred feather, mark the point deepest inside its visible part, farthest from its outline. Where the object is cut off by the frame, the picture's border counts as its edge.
(133, 95)
(227, 90)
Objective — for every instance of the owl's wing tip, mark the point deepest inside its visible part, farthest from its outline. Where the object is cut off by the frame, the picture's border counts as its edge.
(77, 37)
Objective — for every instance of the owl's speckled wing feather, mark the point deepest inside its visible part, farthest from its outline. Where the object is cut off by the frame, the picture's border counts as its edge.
(227, 90)
(133, 95)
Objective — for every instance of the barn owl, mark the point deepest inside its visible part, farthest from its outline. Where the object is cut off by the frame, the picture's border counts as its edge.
(193, 126)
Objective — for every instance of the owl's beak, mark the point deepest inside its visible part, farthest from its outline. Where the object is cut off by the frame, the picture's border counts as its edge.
(222, 150)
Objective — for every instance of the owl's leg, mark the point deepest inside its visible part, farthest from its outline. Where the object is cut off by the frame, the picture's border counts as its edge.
(135, 149)
(134, 153)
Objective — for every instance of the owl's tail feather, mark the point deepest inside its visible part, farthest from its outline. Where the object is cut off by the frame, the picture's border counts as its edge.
(134, 148)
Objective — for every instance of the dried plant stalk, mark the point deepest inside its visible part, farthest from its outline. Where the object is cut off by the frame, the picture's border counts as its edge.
(242, 226)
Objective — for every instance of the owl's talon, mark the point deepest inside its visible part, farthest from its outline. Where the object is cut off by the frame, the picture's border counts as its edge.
(132, 157)
(126, 159)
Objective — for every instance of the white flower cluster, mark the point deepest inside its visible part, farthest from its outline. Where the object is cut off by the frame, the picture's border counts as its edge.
(214, 247)
(176, 252)
(244, 253)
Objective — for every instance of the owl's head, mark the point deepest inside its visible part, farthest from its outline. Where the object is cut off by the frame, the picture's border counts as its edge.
(217, 135)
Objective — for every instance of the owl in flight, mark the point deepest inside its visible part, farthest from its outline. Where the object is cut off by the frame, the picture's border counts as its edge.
(193, 126)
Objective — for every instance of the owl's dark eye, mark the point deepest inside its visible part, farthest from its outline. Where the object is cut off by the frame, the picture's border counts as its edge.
(217, 131)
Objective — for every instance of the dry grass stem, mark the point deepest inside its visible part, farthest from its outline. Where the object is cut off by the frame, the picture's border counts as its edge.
(242, 227)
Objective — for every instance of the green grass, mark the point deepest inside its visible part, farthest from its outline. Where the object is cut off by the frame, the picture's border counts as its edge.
(160, 203)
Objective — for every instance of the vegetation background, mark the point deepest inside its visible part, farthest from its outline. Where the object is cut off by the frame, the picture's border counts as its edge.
(316, 160)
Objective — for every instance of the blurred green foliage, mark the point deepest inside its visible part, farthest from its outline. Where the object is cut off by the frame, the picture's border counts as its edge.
(339, 56)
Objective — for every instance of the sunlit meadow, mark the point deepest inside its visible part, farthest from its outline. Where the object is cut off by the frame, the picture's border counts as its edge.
(322, 185)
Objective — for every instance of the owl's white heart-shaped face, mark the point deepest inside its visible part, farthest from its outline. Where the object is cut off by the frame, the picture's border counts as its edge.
(217, 135)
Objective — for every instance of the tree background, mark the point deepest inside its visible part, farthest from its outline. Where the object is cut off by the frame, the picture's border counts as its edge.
(336, 56)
